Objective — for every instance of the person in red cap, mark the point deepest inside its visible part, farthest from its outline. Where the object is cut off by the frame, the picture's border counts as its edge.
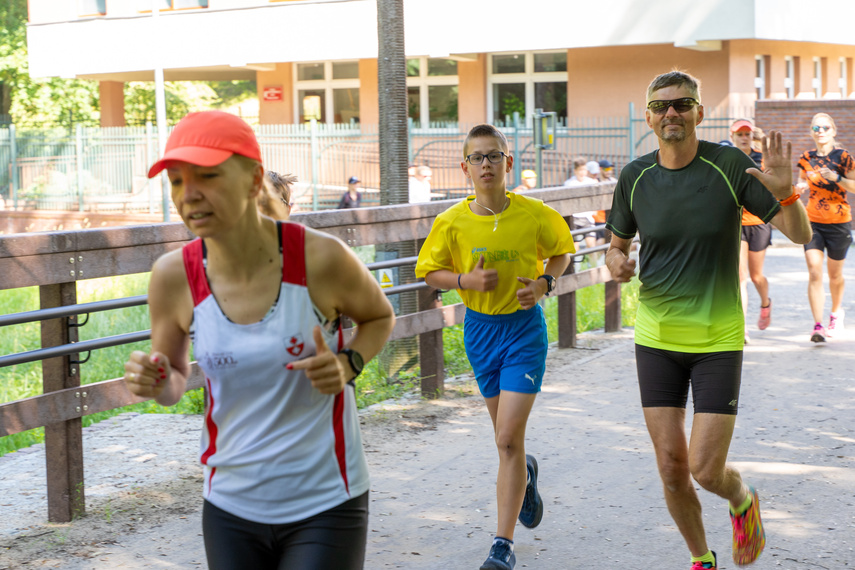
(285, 477)
(756, 236)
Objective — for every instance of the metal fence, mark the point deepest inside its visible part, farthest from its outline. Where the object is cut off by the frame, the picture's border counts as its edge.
(104, 169)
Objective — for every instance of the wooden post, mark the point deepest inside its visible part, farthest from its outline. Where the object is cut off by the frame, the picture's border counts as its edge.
(431, 356)
(613, 309)
(63, 440)
(567, 307)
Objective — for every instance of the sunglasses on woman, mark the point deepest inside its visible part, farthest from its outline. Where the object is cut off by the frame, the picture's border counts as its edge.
(823, 128)
(681, 105)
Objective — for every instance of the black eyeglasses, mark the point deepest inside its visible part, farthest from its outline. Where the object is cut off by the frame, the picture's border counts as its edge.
(681, 105)
(494, 157)
(823, 128)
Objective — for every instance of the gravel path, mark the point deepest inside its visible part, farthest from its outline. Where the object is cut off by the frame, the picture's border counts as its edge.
(433, 468)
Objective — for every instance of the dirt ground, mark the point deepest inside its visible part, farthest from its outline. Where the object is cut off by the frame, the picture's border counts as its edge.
(433, 468)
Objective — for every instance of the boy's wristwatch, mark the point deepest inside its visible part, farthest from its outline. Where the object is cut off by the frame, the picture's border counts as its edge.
(550, 283)
(354, 359)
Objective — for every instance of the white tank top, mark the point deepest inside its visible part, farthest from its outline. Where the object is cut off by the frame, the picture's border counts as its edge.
(274, 449)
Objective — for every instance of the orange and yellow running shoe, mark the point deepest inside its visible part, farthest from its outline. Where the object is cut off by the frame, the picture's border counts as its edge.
(749, 538)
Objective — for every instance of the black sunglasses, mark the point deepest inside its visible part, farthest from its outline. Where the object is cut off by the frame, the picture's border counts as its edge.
(681, 105)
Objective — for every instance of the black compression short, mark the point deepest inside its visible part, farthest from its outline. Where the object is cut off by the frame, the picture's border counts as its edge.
(332, 539)
(664, 377)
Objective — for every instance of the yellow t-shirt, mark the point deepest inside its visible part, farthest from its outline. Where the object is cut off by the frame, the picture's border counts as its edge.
(528, 231)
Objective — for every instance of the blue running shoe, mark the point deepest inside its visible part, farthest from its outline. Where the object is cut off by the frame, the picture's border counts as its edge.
(532, 508)
(501, 556)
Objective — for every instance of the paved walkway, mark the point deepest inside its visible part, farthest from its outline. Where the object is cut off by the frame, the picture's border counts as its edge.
(433, 467)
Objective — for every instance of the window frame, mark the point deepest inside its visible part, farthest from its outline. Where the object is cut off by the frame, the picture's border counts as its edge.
(529, 77)
(327, 85)
(423, 82)
(760, 90)
(789, 76)
(816, 82)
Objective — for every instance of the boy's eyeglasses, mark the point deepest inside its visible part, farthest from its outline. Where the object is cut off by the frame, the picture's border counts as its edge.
(493, 157)
(682, 105)
(823, 128)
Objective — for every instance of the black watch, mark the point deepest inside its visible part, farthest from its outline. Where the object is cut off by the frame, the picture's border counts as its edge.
(550, 283)
(355, 360)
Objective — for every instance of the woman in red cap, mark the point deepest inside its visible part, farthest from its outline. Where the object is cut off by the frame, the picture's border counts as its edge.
(756, 237)
(828, 172)
(285, 476)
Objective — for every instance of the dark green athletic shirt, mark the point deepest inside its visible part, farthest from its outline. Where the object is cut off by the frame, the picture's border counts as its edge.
(689, 222)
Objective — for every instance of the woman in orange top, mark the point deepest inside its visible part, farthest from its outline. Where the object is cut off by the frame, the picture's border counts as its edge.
(827, 171)
(756, 236)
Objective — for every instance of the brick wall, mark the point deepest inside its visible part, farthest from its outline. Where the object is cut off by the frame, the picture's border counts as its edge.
(792, 117)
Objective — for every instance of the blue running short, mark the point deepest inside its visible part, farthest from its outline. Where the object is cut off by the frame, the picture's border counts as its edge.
(507, 352)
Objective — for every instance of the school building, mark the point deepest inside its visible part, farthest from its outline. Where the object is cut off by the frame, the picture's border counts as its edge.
(467, 61)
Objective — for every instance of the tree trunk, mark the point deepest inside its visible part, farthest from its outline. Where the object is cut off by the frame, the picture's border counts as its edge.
(398, 356)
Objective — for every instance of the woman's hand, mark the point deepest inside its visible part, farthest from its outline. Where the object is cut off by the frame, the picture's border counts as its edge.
(325, 369)
(146, 375)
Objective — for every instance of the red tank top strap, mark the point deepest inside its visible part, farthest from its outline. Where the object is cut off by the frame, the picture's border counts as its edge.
(294, 253)
(195, 268)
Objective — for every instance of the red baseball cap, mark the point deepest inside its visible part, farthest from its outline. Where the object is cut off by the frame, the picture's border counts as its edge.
(741, 125)
(208, 138)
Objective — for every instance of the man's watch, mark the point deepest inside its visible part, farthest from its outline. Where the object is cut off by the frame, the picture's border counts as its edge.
(550, 282)
(354, 359)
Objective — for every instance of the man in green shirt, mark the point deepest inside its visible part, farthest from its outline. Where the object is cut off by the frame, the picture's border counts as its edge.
(685, 202)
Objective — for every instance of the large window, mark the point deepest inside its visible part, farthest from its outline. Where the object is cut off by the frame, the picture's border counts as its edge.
(760, 77)
(328, 91)
(790, 76)
(523, 82)
(816, 83)
(843, 82)
(432, 90)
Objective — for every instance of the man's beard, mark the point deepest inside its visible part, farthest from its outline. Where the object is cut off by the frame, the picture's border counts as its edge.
(672, 136)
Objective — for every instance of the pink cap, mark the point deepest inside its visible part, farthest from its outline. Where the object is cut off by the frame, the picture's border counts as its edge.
(741, 125)
(208, 138)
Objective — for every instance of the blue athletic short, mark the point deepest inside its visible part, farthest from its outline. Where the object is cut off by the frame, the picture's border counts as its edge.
(507, 352)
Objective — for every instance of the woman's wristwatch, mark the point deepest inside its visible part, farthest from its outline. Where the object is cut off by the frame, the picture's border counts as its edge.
(354, 359)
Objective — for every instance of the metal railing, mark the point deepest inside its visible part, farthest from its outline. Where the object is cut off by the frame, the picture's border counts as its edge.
(105, 168)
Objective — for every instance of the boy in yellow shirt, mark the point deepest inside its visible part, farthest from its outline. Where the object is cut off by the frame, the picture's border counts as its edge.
(491, 247)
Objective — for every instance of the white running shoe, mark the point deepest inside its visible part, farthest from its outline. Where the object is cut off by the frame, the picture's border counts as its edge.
(835, 323)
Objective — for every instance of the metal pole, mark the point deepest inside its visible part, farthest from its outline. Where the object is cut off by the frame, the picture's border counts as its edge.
(78, 151)
(13, 149)
(538, 146)
(149, 159)
(518, 157)
(313, 148)
(631, 131)
(160, 108)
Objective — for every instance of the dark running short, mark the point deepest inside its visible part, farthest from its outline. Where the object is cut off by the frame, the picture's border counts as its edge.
(332, 539)
(833, 238)
(759, 237)
(664, 377)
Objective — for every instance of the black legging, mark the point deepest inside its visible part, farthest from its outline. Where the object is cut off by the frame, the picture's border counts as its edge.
(332, 539)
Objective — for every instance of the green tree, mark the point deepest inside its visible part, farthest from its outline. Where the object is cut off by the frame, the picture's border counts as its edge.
(42, 102)
(13, 48)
